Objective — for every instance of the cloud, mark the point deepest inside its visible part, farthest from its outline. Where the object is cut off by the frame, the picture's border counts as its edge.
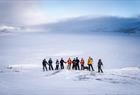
(21, 12)
(4, 28)
(33, 16)
(8, 29)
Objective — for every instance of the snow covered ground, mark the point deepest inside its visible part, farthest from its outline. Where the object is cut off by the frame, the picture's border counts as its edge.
(68, 82)
(21, 55)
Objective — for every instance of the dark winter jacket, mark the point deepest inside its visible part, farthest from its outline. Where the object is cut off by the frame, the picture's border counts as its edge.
(74, 62)
(100, 63)
(62, 62)
(44, 62)
(57, 62)
(50, 62)
(77, 61)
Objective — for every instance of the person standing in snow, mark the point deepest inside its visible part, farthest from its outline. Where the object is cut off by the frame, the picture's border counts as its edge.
(74, 64)
(62, 63)
(57, 64)
(69, 61)
(82, 64)
(44, 62)
(50, 64)
(100, 64)
(77, 64)
(90, 62)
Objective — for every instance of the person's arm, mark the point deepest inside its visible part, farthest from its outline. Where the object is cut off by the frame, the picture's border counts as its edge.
(65, 62)
(88, 61)
(102, 63)
(47, 63)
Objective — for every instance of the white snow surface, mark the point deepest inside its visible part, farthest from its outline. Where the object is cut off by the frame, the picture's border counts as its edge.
(124, 81)
(21, 56)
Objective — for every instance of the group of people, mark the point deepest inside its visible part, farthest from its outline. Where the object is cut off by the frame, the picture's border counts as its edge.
(72, 64)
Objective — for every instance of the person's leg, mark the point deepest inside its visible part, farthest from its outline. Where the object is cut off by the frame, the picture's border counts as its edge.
(74, 67)
(46, 68)
(43, 68)
(63, 66)
(89, 67)
(101, 70)
(81, 67)
(70, 66)
(49, 67)
(78, 67)
(56, 67)
(92, 67)
(98, 69)
(60, 66)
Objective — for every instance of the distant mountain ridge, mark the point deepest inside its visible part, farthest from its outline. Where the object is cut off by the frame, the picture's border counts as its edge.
(83, 25)
(100, 24)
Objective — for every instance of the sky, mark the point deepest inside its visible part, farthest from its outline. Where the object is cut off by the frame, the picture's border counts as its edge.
(34, 12)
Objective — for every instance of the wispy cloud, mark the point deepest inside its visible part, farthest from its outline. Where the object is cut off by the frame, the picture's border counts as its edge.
(17, 12)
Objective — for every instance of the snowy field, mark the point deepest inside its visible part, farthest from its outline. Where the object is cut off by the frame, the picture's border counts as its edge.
(21, 55)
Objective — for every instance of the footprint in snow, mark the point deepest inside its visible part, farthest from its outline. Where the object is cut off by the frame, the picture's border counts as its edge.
(114, 81)
(51, 73)
(130, 77)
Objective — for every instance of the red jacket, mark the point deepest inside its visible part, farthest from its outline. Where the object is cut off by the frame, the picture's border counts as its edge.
(82, 61)
(69, 61)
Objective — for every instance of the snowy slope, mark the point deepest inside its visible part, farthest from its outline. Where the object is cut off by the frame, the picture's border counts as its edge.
(69, 82)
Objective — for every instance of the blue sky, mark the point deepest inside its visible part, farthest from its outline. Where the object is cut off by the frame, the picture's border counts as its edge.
(126, 8)
(44, 11)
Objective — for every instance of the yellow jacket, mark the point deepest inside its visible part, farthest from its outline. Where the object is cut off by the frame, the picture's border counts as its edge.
(90, 61)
